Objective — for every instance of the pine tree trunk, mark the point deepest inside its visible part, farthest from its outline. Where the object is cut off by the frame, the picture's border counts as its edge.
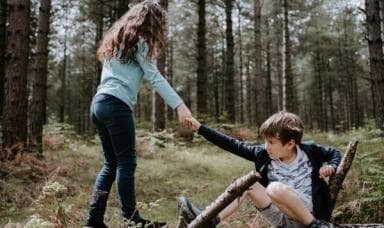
(39, 78)
(16, 63)
(158, 105)
(287, 80)
(241, 80)
(229, 66)
(202, 104)
(259, 113)
(122, 7)
(376, 60)
(3, 31)
(268, 87)
(169, 68)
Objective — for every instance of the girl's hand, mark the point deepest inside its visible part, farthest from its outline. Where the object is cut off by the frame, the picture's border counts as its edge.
(326, 171)
(192, 123)
(183, 112)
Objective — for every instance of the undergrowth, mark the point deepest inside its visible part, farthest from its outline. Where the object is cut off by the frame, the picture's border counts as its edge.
(55, 191)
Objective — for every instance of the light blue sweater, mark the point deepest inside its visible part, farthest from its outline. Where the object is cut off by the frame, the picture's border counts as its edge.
(123, 80)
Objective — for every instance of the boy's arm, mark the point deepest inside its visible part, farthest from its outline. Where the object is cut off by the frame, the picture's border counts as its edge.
(331, 156)
(230, 144)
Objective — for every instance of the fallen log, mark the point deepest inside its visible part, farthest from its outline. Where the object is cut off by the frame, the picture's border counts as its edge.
(236, 189)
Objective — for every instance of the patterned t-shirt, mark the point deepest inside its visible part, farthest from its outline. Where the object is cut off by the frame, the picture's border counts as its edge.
(296, 174)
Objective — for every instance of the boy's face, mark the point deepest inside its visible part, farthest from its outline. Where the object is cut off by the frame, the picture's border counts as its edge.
(276, 150)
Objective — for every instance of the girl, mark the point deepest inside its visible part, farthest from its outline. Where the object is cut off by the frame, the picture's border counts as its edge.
(127, 51)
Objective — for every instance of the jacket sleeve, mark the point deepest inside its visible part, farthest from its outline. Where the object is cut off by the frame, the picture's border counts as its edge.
(330, 155)
(230, 144)
(154, 77)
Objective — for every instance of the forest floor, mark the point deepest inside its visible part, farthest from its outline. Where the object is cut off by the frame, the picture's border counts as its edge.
(57, 189)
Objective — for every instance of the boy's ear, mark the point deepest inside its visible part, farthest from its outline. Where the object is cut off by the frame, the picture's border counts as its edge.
(291, 144)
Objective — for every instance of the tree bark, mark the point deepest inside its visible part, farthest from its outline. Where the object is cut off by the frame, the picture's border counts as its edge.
(3, 31)
(376, 60)
(158, 105)
(122, 7)
(241, 62)
(202, 103)
(39, 78)
(233, 191)
(16, 63)
(287, 80)
(258, 65)
(268, 86)
(229, 66)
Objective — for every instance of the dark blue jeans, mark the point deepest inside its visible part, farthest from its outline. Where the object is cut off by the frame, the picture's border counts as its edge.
(116, 129)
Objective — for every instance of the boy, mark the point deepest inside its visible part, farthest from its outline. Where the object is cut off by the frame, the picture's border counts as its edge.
(292, 192)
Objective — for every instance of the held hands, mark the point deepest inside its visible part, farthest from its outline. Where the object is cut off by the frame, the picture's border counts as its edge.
(326, 171)
(192, 124)
(183, 113)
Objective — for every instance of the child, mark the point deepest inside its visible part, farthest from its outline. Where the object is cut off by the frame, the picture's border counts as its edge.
(292, 192)
(127, 51)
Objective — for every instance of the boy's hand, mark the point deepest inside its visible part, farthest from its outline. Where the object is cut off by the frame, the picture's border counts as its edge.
(326, 171)
(192, 123)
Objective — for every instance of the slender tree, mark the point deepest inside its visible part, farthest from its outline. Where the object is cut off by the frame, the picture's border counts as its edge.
(3, 20)
(287, 80)
(158, 105)
(229, 65)
(268, 86)
(376, 59)
(202, 108)
(39, 78)
(16, 63)
(241, 63)
(122, 6)
(258, 65)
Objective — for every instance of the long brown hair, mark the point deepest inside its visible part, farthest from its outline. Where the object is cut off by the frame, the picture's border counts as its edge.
(147, 20)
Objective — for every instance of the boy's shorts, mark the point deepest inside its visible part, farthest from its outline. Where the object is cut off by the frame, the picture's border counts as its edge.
(276, 218)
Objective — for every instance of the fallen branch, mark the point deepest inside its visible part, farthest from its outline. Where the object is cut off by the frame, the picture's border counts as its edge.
(336, 181)
(236, 189)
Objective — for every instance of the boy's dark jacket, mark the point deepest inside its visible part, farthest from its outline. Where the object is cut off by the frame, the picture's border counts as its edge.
(321, 199)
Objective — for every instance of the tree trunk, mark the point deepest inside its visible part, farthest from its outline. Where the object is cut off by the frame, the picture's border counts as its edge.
(287, 80)
(122, 7)
(229, 66)
(201, 62)
(268, 87)
(3, 31)
(259, 111)
(158, 105)
(170, 112)
(39, 78)
(376, 60)
(16, 63)
(241, 80)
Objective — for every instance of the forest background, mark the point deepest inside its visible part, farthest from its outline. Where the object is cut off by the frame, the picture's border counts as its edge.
(233, 62)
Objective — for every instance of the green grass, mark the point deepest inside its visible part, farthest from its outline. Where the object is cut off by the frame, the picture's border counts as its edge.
(197, 170)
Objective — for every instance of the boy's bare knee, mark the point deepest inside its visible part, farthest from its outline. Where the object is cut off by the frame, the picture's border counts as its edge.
(277, 190)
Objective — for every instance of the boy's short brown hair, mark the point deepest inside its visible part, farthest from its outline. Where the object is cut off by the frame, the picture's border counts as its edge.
(283, 126)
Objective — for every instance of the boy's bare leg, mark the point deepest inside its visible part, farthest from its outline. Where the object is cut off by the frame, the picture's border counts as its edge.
(289, 202)
(257, 193)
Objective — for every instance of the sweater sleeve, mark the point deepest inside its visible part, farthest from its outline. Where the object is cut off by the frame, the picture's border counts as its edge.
(230, 144)
(154, 77)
